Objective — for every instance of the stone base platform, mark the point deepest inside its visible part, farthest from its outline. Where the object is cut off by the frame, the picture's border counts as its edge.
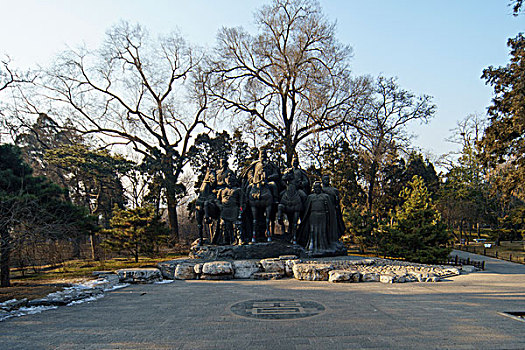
(335, 270)
(263, 250)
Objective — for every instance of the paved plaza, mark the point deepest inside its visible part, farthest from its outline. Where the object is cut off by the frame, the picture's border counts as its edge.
(462, 312)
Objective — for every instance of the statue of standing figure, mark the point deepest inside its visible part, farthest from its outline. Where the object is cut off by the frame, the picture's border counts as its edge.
(318, 227)
(205, 209)
(336, 199)
(291, 205)
(298, 176)
(229, 202)
(223, 172)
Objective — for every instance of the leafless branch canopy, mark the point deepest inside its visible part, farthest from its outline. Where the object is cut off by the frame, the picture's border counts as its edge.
(293, 78)
(130, 89)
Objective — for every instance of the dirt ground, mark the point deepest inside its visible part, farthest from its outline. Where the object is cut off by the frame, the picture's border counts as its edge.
(34, 289)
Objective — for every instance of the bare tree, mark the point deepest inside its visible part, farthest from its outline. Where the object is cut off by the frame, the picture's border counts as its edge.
(467, 134)
(292, 78)
(382, 128)
(8, 76)
(10, 79)
(138, 92)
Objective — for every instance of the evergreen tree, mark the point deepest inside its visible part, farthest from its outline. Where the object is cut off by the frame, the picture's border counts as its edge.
(32, 205)
(396, 176)
(136, 231)
(94, 177)
(503, 144)
(417, 233)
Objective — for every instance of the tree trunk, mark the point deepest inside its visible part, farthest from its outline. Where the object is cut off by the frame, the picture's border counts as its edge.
(290, 151)
(372, 182)
(5, 251)
(76, 243)
(92, 245)
(172, 215)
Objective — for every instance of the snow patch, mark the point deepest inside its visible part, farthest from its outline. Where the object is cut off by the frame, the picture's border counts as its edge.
(164, 282)
(86, 300)
(117, 286)
(26, 311)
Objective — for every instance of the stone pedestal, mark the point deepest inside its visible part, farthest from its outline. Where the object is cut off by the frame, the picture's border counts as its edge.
(260, 251)
(139, 275)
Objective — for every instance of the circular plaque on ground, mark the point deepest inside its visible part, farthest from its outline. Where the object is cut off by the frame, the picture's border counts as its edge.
(277, 309)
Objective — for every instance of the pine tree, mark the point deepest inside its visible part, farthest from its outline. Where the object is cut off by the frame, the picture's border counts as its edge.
(32, 206)
(136, 231)
(416, 233)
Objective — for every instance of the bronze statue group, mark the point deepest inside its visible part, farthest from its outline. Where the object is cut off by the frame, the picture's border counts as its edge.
(245, 207)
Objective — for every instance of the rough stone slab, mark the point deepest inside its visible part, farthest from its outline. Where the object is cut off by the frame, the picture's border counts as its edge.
(337, 276)
(216, 277)
(244, 269)
(217, 268)
(139, 275)
(370, 277)
(451, 271)
(312, 272)
(185, 271)
(273, 265)
(288, 266)
(198, 268)
(387, 278)
(391, 278)
(267, 275)
(262, 250)
(468, 269)
(167, 268)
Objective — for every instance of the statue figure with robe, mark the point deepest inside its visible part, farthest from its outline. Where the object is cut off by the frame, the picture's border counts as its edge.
(335, 198)
(222, 173)
(229, 203)
(318, 225)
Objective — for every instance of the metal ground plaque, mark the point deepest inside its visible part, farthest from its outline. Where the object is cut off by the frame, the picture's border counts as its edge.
(277, 309)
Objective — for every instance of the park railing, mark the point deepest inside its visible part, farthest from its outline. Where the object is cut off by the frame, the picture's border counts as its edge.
(457, 261)
(493, 252)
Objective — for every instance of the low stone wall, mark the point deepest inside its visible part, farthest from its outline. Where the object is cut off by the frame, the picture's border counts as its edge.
(335, 270)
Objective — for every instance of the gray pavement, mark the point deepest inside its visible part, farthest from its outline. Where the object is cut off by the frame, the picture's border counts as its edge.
(462, 312)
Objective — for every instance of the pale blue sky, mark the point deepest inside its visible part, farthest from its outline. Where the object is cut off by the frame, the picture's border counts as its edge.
(437, 47)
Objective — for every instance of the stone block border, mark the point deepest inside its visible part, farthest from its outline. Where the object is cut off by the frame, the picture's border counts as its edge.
(334, 270)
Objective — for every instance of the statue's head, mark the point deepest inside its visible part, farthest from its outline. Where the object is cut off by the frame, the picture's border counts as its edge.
(326, 180)
(317, 187)
(223, 163)
(295, 162)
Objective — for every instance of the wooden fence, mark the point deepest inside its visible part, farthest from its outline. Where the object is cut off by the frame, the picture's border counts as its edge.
(457, 261)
